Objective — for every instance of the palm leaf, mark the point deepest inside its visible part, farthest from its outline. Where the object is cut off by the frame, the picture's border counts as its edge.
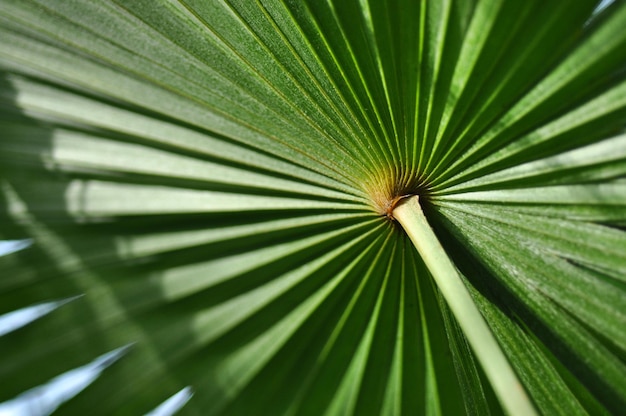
(212, 184)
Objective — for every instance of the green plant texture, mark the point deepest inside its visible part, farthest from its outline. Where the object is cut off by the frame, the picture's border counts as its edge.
(316, 207)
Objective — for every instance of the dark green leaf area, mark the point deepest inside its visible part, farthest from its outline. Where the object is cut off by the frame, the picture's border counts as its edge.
(536, 269)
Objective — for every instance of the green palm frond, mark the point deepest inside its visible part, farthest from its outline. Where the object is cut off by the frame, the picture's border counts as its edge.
(212, 184)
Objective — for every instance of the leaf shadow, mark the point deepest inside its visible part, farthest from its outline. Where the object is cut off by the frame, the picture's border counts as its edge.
(521, 315)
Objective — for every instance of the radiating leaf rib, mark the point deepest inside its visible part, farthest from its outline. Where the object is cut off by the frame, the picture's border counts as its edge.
(160, 282)
(439, 375)
(244, 352)
(112, 121)
(243, 116)
(218, 21)
(590, 122)
(375, 16)
(140, 245)
(92, 199)
(603, 160)
(177, 282)
(393, 395)
(525, 58)
(326, 92)
(310, 352)
(346, 395)
(582, 295)
(447, 23)
(398, 47)
(319, 24)
(377, 372)
(212, 320)
(561, 320)
(80, 152)
(215, 316)
(467, 372)
(485, 15)
(608, 193)
(529, 361)
(411, 353)
(352, 326)
(156, 132)
(582, 75)
(601, 248)
(354, 25)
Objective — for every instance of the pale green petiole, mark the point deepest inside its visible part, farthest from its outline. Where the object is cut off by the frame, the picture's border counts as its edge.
(506, 385)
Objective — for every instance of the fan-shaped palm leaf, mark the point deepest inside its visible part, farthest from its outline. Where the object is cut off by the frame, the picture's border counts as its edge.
(220, 180)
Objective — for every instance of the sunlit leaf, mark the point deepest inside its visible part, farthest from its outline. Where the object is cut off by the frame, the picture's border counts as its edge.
(218, 180)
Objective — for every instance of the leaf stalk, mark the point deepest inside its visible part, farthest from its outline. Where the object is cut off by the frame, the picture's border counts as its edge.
(498, 370)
